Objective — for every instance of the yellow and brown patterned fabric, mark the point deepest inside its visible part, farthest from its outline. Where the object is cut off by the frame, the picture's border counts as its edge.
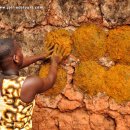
(16, 115)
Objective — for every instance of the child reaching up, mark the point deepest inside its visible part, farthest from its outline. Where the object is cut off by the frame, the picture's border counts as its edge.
(19, 92)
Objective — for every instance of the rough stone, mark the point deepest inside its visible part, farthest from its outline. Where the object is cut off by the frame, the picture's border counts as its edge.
(115, 12)
(49, 102)
(100, 122)
(119, 120)
(97, 103)
(72, 94)
(127, 120)
(25, 17)
(67, 105)
(73, 12)
(77, 120)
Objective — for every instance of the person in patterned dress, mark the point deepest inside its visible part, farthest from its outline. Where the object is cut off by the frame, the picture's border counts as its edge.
(17, 92)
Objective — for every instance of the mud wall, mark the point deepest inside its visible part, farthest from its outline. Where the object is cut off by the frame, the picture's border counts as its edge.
(71, 109)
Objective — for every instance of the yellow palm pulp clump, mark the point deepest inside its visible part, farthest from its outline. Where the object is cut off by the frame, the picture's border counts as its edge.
(89, 77)
(117, 80)
(89, 42)
(57, 37)
(60, 37)
(118, 44)
(60, 81)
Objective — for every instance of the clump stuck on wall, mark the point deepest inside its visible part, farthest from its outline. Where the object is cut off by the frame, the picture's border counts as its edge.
(60, 82)
(118, 44)
(89, 76)
(60, 37)
(89, 42)
(57, 37)
(117, 81)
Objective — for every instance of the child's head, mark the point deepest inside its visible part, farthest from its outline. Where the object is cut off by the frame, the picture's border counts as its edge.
(10, 53)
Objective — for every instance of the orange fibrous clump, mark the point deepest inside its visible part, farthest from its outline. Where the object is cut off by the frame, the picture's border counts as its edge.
(118, 44)
(60, 81)
(89, 42)
(89, 76)
(117, 80)
(60, 37)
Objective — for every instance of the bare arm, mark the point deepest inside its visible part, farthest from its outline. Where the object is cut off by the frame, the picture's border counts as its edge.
(34, 85)
(49, 81)
(31, 59)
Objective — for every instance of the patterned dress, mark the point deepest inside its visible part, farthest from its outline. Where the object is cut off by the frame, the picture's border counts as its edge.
(16, 114)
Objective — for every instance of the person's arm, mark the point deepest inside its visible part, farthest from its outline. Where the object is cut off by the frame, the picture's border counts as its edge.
(48, 48)
(50, 79)
(34, 85)
(32, 59)
(37, 84)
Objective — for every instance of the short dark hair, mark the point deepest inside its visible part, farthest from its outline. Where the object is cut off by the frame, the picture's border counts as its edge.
(7, 47)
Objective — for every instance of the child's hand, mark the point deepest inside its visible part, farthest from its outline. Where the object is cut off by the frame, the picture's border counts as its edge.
(58, 54)
(48, 49)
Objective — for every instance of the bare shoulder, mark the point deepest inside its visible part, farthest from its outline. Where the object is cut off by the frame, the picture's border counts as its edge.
(29, 88)
(32, 80)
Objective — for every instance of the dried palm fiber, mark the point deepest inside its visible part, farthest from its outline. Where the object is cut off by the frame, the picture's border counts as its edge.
(60, 37)
(57, 37)
(89, 42)
(89, 77)
(118, 44)
(117, 80)
(60, 81)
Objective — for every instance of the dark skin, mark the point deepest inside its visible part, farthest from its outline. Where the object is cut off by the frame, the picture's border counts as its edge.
(33, 84)
(32, 59)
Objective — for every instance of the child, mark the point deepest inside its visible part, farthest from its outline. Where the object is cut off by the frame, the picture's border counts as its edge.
(19, 92)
